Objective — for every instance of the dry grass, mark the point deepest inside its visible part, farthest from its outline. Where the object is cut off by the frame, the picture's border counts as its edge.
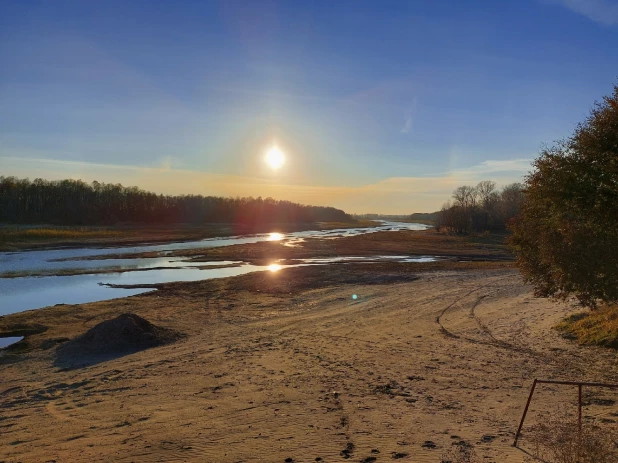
(47, 233)
(598, 327)
(25, 237)
(460, 453)
(557, 440)
(357, 224)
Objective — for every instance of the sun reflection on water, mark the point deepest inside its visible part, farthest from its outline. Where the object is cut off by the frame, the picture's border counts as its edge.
(274, 267)
(275, 236)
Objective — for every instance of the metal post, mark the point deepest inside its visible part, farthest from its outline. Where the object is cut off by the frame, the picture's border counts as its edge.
(579, 420)
(521, 423)
(579, 384)
(579, 416)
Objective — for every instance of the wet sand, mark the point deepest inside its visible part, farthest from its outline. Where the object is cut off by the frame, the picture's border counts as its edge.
(287, 366)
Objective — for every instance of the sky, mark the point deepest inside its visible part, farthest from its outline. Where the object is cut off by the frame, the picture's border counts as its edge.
(379, 106)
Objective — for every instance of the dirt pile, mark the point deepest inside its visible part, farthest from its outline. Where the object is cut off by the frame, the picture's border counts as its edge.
(122, 335)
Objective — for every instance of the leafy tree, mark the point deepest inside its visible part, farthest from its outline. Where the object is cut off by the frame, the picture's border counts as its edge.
(566, 235)
(511, 198)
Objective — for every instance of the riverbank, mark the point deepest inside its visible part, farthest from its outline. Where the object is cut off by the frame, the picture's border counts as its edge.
(380, 243)
(24, 237)
(293, 251)
(289, 365)
(82, 275)
(404, 243)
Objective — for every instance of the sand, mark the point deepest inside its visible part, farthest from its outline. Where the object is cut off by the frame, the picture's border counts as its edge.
(288, 367)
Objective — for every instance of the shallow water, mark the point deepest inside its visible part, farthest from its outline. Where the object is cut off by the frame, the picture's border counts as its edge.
(19, 294)
(59, 259)
(4, 342)
(25, 293)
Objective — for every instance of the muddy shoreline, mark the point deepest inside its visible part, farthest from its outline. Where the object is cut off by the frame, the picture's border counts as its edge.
(145, 235)
(409, 243)
(103, 271)
(378, 244)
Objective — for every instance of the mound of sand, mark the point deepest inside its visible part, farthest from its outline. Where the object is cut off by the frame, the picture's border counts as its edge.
(122, 335)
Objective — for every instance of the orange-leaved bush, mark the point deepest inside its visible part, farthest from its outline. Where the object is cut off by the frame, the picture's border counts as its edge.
(565, 236)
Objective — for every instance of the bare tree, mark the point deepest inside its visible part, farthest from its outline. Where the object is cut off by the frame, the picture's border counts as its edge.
(465, 196)
(481, 208)
(486, 192)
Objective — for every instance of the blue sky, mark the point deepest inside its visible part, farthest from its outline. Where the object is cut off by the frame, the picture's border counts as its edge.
(379, 106)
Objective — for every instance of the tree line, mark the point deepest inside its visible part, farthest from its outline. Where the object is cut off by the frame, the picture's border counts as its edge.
(74, 202)
(480, 208)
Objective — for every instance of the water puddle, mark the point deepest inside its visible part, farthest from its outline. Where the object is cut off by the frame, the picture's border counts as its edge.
(5, 342)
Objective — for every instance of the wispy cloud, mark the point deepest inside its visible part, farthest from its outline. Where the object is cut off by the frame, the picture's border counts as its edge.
(601, 11)
(490, 167)
(409, 118)
(395, 195)
(407, 126)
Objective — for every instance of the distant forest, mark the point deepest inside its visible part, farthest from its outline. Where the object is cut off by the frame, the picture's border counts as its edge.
(74, 202)
(480, 208)
(395, 217)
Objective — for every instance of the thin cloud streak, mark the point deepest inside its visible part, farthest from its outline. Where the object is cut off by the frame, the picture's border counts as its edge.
(409, 118)
(601, 11)
(495, 167)
(396, 195)
(407, 126)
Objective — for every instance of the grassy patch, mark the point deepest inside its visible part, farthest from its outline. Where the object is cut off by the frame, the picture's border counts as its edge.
(14, 237)
(357, 224)
(597, 328)
(487, 238)
(38, 234)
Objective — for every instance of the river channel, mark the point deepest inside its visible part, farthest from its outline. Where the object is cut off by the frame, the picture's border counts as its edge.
(32, 292)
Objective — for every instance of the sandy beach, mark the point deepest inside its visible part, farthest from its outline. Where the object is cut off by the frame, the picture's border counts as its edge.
(239, 231)
(288, 366)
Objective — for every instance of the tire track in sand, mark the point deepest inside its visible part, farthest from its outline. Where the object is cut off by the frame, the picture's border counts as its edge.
(493, 341)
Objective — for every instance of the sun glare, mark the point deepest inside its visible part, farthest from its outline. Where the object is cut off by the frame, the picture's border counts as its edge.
(275, 236)
(275, 157)
(274, 267)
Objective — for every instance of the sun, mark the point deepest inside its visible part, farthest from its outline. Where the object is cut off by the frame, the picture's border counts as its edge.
(275, 157)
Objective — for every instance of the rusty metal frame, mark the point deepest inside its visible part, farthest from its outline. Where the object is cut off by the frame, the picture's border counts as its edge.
(579, 384)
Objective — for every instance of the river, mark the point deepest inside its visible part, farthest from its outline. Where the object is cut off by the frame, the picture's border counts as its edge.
(33, 292)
